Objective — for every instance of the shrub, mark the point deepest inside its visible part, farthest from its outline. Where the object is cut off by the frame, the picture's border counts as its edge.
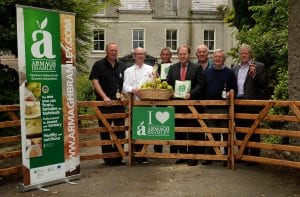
(9, 94)
(85, 92)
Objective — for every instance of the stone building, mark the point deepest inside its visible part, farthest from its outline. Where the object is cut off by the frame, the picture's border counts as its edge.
(154, 24)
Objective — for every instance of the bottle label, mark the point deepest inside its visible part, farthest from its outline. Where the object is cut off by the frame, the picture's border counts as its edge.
(224, 94)
(118, 95)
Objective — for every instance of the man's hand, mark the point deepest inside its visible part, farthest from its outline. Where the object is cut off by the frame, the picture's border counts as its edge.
(187, 96)
(136, 92)
(107, 100)
(252, 70)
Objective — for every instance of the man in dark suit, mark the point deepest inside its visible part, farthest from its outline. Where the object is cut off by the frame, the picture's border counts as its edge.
(251, 84)
(181, 71)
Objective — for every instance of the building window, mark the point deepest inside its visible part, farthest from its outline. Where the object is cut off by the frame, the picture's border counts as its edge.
(209, 39)
(138, 38)
(102, 11)
(171, 39)
(171, 7)
(99, 41)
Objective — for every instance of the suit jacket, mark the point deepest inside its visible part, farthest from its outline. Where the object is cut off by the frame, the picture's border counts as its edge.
(193, 73)
(254, 88)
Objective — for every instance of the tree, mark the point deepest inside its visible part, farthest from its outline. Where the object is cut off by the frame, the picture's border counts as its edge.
(241, 14)
(268, 38)
(85, 10)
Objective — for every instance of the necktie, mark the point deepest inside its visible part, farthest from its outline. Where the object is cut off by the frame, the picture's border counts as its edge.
(183, 72)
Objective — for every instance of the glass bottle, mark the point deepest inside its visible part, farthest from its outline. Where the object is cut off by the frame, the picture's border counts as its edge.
(155, 70)
(118, 93)
(224, 92)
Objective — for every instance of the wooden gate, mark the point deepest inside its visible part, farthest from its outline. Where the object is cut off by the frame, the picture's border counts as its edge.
(199, 127)
(10, 157)
(89, 135)
(262, 124)
(10, 154)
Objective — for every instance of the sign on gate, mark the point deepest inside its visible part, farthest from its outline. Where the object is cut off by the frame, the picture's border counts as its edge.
(153, 123)
(46, 48)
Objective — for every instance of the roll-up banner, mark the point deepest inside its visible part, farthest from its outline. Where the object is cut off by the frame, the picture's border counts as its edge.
(49, 130)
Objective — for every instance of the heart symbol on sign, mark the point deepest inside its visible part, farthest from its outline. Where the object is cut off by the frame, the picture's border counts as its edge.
(162, 117)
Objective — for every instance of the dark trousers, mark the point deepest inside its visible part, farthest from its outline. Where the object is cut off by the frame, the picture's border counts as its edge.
(179, 136)
(187, 136)
(158, 148)
(247, 123)
(217, 123)
(106, 135)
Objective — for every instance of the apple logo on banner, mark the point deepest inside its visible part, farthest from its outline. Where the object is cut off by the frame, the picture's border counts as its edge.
(162, 117)
(42, 42)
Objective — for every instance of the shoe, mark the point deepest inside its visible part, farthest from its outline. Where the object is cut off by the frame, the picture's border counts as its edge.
(119, 163)
(137, 160)
(206, 162)
(192, 162)
(144, 160)
(252, 164)
(108, 162)
(181, 161)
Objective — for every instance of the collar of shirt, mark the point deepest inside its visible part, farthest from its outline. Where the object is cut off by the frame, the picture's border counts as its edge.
(116, 62)
(138, 67)
(245, 65)
(186, 64)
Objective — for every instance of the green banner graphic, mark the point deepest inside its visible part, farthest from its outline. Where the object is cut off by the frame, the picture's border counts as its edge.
(46, 47)
(43, 72)
(153, 123)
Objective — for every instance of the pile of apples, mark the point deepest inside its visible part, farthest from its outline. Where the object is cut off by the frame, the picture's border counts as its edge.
(157, 84)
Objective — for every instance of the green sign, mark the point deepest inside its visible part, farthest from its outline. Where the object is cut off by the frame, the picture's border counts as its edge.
(46, 49)
(43, 73)
(153, 123)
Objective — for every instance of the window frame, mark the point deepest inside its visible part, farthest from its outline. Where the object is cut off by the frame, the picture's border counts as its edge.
(209, 40)
(102, 12)
(104, 40)
(169, 4)
(132, 39)
(171, 40)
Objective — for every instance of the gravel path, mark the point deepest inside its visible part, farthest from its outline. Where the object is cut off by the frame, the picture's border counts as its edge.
(164, 178)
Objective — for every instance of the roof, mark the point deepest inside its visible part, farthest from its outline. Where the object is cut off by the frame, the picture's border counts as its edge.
(197, 5)
(135, 5)
(207, 6)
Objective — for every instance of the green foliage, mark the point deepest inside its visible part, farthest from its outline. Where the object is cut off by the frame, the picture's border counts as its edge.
(85, 10)
(9, 94)
(272, 139)
(241, 15)
(9, 83)
(85, 90)
(269, 38)
(281, 89)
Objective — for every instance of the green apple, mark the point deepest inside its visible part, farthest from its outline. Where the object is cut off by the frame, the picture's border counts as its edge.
(164, 85)
(157, 80)
(170, 87)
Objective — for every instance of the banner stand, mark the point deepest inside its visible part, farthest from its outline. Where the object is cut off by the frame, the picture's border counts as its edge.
(48, 97)
(22, 188)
